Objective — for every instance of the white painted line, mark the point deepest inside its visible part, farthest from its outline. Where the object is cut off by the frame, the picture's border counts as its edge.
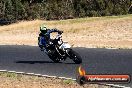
(38, 74)
(117, 86)
(62, 77)
(52, 76)
(44, 75)
(3, 70)
(127, 87)
(68, 78)
(12, 71)
(20, 72)
(30, 73)
(74, 79)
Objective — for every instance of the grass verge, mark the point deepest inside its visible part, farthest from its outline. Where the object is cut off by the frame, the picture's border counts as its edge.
(13, 80)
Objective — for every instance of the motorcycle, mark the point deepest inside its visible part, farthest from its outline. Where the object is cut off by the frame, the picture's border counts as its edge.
(59, 50)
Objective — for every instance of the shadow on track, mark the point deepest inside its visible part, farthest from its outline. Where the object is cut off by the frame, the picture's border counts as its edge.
(25, 54)
(40, 62)
(33, 62)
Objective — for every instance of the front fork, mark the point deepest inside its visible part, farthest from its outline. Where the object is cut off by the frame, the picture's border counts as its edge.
(67, 52)
(64, 55)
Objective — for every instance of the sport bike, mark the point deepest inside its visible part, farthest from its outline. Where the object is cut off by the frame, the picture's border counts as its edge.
(58, 50)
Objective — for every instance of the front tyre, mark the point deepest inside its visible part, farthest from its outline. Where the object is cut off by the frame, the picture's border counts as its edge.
(75, 57)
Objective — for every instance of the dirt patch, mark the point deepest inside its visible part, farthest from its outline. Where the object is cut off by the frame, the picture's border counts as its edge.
(12, 80)
(99, 32)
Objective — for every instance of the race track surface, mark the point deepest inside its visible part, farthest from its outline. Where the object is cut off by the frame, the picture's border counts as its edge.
(30, 59)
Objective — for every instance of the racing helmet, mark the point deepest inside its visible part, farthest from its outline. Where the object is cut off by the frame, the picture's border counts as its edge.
(43, 29)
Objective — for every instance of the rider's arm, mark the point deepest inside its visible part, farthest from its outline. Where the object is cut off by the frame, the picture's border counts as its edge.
(41, 34)
(53, 30)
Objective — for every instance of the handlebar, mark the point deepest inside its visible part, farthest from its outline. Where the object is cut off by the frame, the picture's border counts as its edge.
(58, 36)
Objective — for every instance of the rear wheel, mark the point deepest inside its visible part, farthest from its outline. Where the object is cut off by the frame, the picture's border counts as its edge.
(75, 57)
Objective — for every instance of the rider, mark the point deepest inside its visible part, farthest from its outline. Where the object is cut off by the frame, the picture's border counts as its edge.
(44, 37)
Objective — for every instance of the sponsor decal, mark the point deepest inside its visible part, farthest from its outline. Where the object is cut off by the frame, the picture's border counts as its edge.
(101, 78)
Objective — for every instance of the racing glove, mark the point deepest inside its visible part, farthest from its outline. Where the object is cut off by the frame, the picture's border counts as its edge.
(60, 32)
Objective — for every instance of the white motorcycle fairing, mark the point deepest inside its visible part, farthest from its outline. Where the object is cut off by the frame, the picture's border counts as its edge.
(65, 46)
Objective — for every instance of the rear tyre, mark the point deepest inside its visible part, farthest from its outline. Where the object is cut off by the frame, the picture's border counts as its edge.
(75, 57)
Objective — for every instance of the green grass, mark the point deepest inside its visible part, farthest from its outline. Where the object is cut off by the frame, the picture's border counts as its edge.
(20, 77)
(8, 74)
(86, 19)
(69, 81)
(119, 16)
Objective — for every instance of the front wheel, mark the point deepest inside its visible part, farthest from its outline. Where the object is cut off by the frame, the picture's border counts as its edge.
(75, 57)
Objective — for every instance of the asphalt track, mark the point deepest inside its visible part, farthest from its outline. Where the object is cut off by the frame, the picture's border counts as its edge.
(30, 59)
